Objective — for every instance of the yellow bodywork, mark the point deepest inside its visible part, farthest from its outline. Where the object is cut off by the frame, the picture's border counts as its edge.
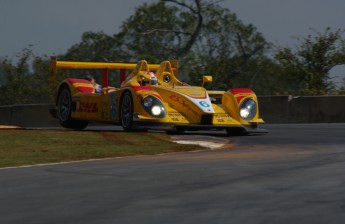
(182, 105)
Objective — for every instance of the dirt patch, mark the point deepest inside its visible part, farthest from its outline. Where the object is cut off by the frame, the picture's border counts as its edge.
(6, 127)
(205, 141)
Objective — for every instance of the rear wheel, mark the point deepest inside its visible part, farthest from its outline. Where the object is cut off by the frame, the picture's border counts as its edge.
(127, 111)
(65, 107)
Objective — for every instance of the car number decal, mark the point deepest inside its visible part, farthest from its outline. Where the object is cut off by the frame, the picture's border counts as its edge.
(204, 104)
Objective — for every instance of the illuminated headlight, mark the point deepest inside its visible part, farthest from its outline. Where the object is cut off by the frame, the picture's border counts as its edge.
(156, 110)
(154, 106)
(248, 109)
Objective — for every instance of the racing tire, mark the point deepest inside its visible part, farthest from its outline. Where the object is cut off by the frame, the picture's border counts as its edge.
(178, 130)
(65, 107)
(126, 111)
(236, 132)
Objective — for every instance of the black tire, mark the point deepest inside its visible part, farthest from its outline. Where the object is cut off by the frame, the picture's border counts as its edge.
(176, 131)
(236, 132)
(180, 130)
(126, 111)
(65, 107)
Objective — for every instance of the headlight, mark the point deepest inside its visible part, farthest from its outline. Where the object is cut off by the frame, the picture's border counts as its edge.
(153, 106)
(248, 109)
(148, 102)
(156, 110)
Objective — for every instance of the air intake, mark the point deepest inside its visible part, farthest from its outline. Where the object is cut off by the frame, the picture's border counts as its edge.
(206, 119)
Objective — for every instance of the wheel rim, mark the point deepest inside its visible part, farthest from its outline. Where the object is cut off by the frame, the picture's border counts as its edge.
(64, 105)
(126, 111)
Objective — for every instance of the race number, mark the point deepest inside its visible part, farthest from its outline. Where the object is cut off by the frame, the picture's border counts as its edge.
(204, 104)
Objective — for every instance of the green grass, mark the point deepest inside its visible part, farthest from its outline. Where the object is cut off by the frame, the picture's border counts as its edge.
(27, 147)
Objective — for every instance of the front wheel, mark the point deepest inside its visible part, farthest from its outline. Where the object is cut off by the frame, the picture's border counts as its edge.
(127, 111)
(236, 132)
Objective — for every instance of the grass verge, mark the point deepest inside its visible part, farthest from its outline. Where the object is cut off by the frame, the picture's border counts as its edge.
(28, 147)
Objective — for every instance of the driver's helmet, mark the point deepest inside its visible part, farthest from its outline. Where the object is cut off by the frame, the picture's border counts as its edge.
(145, 79)
(154, 80)
(148, 78)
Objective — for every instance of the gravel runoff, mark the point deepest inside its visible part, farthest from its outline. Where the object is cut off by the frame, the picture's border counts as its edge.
(209, 142)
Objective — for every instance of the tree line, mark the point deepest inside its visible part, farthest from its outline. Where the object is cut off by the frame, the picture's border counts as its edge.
(206, 39)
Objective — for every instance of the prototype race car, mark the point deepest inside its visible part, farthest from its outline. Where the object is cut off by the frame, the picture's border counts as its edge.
(151, 97)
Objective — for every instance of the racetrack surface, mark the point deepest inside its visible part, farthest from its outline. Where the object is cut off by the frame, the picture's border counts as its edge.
(293, 174)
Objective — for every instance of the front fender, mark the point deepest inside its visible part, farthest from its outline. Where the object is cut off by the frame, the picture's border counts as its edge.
(232, 100)
(139, 93)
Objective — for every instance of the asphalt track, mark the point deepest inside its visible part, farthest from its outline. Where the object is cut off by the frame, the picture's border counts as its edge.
(294, 174)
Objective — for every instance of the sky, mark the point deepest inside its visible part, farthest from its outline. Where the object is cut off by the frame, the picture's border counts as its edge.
(52, 26)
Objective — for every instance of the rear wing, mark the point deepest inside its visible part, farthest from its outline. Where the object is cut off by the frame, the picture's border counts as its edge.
(104, 66)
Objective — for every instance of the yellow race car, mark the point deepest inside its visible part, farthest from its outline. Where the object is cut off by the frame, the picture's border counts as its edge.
(151, 97)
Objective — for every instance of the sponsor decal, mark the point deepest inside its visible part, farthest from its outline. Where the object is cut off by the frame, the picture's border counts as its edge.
(175, 116)
(87, 107)
(222, 117)
(174, 98)
(184, 103)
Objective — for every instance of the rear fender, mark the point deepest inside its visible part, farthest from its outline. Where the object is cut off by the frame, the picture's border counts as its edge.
(76, 86)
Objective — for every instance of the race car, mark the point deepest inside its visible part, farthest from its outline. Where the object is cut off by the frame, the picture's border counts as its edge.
(151, 97)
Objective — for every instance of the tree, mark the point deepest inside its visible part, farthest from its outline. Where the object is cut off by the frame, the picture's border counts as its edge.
(156, 32)
(16, 77)
(205, 37)
(307, 69)
(23, 84)
(96, 47)
(226, 48)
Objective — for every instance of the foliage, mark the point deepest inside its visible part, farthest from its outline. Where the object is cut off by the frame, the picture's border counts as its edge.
(156, 32)
(228, 49)
(25, 85)
(206, 39)
(96, 47)
(307, 69)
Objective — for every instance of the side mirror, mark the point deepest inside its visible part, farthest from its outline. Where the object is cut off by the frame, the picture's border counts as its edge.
(205, 79)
